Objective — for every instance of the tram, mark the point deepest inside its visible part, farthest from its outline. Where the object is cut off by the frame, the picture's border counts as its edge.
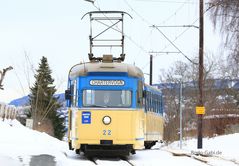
(111, 109)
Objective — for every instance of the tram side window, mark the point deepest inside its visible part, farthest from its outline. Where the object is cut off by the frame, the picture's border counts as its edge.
(74, 93)
(158, 106)
(147, 101)
(155, 103)
(89, 97)
(126, 98)
(150, 101)
(140, 94)
(161, 105)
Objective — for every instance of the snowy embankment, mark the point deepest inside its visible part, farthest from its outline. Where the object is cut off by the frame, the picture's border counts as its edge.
(20, 143)
(220, 150)
(22, 146)
(226, 146)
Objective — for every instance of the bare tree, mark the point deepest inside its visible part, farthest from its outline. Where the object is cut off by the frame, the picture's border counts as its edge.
(212, 96)
(2, 75)
(225, 14)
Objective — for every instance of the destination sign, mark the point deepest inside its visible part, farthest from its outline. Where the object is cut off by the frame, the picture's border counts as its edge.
(107, 82)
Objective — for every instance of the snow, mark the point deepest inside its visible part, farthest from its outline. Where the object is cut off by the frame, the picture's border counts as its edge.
(223, 147)
(19, 142)
(221, 116)
(161, 157)
(22, 146)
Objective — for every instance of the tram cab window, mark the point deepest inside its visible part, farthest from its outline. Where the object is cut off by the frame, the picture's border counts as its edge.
(106, 98)
(140, 94)
(74, 93)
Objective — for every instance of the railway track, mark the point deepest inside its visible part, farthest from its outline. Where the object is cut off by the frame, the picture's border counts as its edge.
(122, 161)
(210, 160)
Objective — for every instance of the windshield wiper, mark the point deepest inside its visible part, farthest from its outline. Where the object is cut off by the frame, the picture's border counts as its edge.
(94, 105)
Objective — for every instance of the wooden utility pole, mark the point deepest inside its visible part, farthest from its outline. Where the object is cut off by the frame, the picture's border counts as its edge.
(2, 75)
(151, 63)
(200, 80)
(151, 70)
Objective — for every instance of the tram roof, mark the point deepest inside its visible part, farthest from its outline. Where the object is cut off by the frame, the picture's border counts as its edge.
(152, 88)
(83, 69)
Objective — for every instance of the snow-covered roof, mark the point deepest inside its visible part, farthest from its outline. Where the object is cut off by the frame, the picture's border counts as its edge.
(83, 69)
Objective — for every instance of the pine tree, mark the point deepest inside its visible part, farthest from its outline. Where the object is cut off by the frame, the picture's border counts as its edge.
(44, 105)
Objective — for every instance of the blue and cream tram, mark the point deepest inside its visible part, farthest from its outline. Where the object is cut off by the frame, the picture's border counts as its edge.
(111, 110)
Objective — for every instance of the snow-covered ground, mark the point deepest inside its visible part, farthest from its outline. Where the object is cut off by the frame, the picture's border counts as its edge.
(22, 146)
(226, 146)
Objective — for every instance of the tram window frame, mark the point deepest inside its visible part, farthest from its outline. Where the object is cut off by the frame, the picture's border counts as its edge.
(140, 94)
(158, 104)
(126, 94)
(146, 101)
(154, 103)
(71, 94)
(151, 102)
(161, 104)
(74, 89)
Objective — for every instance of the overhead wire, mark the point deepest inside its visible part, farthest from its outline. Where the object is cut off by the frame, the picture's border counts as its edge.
(146, 21)
(178, 36)
(176, 11)
(147, 38)
(174, 45)
(164, 1)
(127, 36)
(142, 18)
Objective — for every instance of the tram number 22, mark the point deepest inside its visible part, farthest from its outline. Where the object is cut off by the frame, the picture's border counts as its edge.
(106, 132)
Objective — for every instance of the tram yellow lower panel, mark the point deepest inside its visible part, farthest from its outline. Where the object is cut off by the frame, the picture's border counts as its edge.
(126, 127)
(154, 126)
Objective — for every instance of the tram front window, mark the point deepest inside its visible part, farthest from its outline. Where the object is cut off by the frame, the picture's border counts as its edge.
(106, 98)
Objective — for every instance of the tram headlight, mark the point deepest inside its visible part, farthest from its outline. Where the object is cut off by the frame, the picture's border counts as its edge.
(106, 120)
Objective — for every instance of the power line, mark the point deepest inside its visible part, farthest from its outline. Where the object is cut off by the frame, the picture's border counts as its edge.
(146, 21)
(142, 18)
(177, 37)
(127, 36)
(171, 16)
(164, 1)
(145, 65)
(176, 26)
(173, 44)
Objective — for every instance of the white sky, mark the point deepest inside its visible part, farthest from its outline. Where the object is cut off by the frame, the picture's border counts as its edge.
(53, 28)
